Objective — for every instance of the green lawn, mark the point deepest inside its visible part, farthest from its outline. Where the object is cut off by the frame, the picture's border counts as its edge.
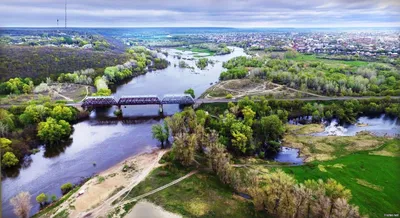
(201, 195)
(197, 50)
(373, 180)
(304, 57)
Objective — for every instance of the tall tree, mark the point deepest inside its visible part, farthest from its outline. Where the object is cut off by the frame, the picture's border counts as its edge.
(22, 204)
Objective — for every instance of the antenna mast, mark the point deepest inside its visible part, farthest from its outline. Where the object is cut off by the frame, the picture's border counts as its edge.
(65, 14)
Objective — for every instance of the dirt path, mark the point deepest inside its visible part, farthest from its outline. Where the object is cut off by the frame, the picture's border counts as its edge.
(63, 96)
(110, 185)
(163, 187)
(87, 93)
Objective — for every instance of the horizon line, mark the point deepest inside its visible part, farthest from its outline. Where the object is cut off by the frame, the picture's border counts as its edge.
(227, 27)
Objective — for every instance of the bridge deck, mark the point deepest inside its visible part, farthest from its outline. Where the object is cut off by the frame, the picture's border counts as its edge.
(101, 101)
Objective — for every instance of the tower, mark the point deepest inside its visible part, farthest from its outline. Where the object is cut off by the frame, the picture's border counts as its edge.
(65, 14)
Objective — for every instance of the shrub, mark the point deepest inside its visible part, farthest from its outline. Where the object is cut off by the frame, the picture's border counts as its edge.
(229, 96)
(65, 188)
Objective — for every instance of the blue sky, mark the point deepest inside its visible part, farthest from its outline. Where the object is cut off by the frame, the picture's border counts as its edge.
(201, 13)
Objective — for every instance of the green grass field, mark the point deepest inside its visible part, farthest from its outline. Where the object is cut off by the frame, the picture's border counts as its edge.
(303, 57)
(201, 195)
(374, 180)
(197, 50)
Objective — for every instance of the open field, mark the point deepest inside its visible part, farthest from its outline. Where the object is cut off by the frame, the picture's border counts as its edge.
(374, 180)
(68, 92)
(240, 88)
(197, 50)
(320, 148)
(201, 195)
(313, 58)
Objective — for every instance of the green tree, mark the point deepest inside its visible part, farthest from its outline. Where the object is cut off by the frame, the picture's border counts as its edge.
(42, 198)
(241, 136)
(9, 159)
(190, 92)
(270, 128)
(61, 112)
(5, 146)
(53, 198)
(65, 188)
(34, 114)
(53, 131)
(248, 115)
(159, 133)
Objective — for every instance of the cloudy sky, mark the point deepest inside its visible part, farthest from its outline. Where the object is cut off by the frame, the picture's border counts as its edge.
(203, 13)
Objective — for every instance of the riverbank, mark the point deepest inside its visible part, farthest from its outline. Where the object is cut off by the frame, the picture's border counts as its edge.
(96, 195)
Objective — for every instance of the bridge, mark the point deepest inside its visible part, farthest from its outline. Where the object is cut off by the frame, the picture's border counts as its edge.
(104, 101)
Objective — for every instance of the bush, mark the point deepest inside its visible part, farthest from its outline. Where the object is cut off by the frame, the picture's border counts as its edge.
(229, 96)
(42, 198)
(65, 188)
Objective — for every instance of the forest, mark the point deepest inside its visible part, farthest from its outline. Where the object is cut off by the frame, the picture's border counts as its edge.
(331, 78)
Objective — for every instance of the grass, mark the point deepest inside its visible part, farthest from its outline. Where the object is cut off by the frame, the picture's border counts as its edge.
(322, 148)
(56, 204)
(201, 195)
(197, 50)
(374, 180)
(352, 63)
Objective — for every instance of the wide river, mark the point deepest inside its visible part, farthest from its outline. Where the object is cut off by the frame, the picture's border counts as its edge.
(104, 140)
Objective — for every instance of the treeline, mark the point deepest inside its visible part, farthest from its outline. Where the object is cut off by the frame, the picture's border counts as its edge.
(22, 126)
(371, 80)
(344, 111)
(16, 86)
(276, 193)
(141, 59)
(41, 62)
(218, 49)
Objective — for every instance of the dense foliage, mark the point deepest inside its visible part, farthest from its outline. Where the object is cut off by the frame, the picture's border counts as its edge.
(20, 125)
(318, 76)
(16, 86)
(202, 63)
(42, 62)
(275, 192)
(52, 131)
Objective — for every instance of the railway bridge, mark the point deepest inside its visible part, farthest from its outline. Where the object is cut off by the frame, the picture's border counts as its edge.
(105, 101)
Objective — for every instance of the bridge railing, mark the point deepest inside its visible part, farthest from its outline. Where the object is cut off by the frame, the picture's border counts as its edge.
(137, 100)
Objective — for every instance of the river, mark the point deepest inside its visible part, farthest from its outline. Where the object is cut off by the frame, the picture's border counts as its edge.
(102, 140)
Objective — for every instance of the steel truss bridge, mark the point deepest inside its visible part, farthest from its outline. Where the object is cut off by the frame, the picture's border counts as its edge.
(104, 101)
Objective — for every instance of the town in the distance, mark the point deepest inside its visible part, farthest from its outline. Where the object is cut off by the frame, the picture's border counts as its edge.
(100, 118)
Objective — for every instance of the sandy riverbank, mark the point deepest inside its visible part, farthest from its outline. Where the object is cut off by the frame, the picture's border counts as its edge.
(109, 185)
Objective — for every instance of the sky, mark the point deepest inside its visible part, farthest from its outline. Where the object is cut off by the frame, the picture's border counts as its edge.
(201, 13)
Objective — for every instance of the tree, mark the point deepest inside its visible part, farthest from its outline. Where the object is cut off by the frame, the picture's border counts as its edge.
(249, 115)
(22, 204)
(34, 114)
(42, 198)
(160, 133)
(5, 146)
(270, 128)
(53, 198)
(65, 188)
(9, 159)
(241, 136)
(53, 131)
(61, 112)
(184, 148)
(190, 92)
